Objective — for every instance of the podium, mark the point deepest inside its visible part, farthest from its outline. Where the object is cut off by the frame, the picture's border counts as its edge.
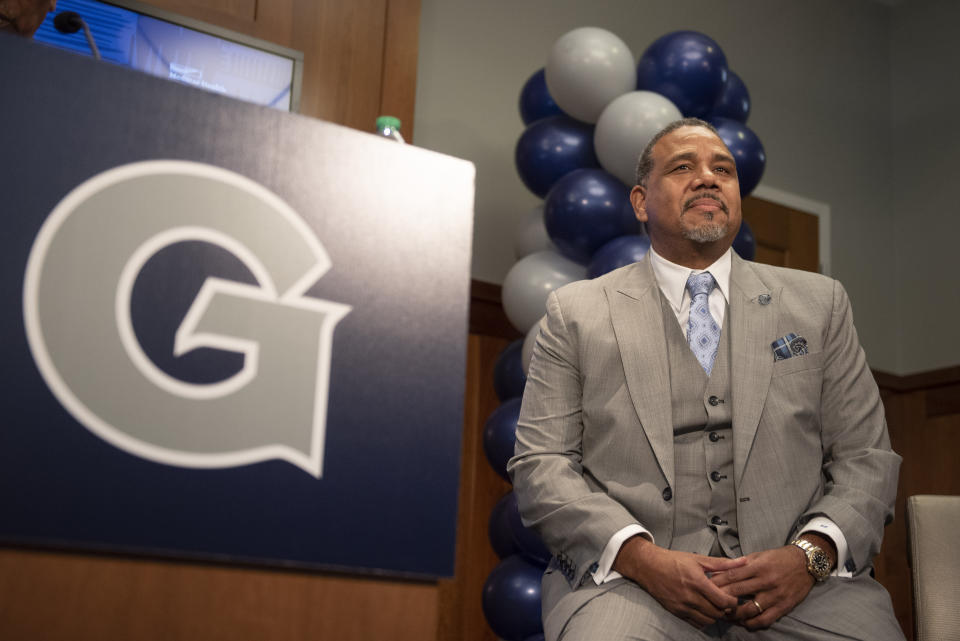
(231, 334)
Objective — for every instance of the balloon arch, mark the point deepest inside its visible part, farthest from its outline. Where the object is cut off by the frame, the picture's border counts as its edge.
(589, 114)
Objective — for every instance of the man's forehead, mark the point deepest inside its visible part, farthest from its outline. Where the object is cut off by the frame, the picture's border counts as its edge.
(687, 139)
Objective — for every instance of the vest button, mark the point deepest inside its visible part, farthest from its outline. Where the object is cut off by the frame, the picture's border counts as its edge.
(715, 476)
(714, 437)
(667, 494)
(713, 400)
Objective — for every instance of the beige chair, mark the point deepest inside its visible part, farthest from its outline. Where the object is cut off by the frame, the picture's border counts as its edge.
(933, 525)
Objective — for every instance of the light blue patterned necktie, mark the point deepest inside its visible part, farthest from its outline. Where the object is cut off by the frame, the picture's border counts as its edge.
(703, 333)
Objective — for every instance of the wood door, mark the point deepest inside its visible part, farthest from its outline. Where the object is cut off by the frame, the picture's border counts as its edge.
(786, 237)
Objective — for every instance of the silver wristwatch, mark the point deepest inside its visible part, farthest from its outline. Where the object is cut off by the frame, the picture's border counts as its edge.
(818, 563)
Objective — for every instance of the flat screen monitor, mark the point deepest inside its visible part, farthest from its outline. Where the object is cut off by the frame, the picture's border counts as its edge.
(164, 44)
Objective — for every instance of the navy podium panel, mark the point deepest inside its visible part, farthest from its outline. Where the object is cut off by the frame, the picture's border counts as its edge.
(229, 333)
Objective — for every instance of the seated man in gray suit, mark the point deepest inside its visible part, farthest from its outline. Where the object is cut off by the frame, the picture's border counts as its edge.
(701, 445)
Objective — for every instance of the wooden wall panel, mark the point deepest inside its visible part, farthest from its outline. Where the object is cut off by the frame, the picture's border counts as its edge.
(399, 86)
(73, 597)
(923, 416)
(786, 237)
(461, 615)
(239, 15)
(343, 46)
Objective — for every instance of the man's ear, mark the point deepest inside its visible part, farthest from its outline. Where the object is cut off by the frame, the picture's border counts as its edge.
(638, 198)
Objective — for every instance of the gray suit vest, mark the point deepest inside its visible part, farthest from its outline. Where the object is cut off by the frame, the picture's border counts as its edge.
(706, 508)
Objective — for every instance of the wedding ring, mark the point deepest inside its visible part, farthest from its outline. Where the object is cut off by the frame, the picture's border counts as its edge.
(759, 609)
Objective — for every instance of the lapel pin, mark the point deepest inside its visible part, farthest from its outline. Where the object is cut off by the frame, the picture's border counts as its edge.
(764, 299)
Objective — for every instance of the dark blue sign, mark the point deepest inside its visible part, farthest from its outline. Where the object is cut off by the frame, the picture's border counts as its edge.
(229, 333)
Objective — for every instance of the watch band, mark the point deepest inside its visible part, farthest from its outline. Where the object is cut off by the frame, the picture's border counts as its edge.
(818, 562)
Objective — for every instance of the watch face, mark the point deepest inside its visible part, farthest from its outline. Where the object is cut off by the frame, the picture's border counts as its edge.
(819, 564)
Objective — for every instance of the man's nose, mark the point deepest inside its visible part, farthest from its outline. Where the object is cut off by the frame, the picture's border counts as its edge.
(706, 178)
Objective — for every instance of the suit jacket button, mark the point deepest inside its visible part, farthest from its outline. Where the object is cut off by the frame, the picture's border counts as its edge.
(713, 400)
(667, 494)
(715, 476)
(716, 520)
(714, 437)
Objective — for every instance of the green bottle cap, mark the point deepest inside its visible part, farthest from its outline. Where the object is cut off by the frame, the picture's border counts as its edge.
(388, 121)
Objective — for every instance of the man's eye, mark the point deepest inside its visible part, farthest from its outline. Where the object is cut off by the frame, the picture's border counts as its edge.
(723, 170)
(684, 166)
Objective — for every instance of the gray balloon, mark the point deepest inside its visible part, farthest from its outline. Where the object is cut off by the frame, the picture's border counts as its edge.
(530, 281)
(626, 126)
(531, 234)
(587, 68)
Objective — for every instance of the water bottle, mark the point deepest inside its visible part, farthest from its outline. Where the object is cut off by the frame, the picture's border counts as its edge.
(389, 127)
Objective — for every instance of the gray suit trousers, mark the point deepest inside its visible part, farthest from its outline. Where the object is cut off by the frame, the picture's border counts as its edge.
(625, 611)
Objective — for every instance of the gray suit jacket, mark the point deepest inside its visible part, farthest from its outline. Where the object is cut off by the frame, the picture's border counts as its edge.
(594, 446)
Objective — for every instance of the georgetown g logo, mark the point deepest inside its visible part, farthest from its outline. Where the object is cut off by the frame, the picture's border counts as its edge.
(77, 310)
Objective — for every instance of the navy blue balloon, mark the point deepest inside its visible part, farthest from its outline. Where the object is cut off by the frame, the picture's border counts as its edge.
(527, 542)
(498, 527)
(511, 599)
(687, 67)
(734, 100)
(508, 377)
(618, 253)
(586, 209)
(745, 244)
(747, 150)
(500, 435)
(550, 149)
(535, 101)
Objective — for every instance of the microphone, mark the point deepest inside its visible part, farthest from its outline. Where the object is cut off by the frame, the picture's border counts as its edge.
(71, 22)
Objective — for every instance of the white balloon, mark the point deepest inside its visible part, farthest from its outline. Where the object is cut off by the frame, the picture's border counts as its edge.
(526, 351)
(626, 126)
(587, 68)
(531, 235)
(530, 281)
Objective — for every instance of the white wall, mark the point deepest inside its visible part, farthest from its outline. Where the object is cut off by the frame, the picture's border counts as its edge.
(819, 74)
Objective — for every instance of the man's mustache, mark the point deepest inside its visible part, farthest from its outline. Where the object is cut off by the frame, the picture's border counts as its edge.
(687, 205)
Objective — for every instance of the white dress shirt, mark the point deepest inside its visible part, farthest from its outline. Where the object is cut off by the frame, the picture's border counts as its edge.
(672, 279)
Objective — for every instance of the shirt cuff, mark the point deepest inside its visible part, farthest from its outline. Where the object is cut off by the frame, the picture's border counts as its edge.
(604, 571)
(826, 527)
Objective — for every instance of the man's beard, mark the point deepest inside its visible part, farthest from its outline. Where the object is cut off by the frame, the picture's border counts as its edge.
(708, 232)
